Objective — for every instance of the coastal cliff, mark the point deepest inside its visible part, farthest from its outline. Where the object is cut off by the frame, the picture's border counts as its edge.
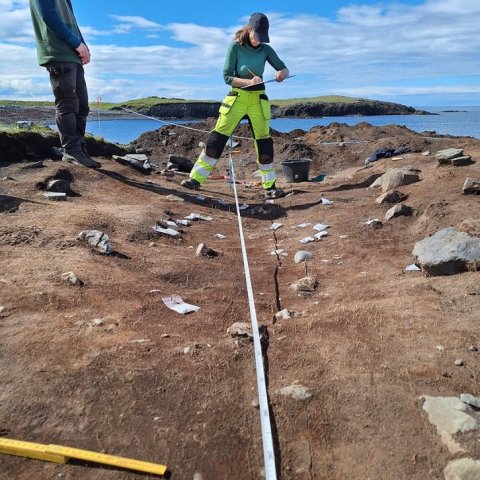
(303, 108)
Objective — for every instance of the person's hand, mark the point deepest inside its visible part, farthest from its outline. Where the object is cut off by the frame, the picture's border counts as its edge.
(281, 75)
(255, 80)
(83, 53)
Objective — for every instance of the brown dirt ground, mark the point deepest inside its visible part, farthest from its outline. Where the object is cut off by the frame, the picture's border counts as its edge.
(364, 343)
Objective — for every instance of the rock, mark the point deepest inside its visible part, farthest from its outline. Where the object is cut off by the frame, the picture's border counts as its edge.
(2, 309)
(58, 185)
(447, 252)
(204, 251)
(449, 414)
(473, 348)
(462, 469)
(470, 400)
(284, 314)
(295, 391)
(182, 164)
(376, 183)
(137, 160)
(459, 362)
(98, 322)
(24, 124)
(394, 196)
(97, 240)
(305, 284)
(58, 196)
(396, 177)
(302, 256)
(241, 329)
(471, 187)
(174, 198)
(38, 164)
(461, 161)
(71, 278)
(470, 226)
(444, 157)
(255, 403)
(375, 223)
(426, 153)
(398, 210)
(197, 476)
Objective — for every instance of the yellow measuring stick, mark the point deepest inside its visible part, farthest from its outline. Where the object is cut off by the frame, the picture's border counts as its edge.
(59, 454)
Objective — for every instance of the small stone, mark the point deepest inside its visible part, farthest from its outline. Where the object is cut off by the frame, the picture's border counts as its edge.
(58, 185)
(440, 348)
(426, 153)
(459, 362)
(197, 476)
(472, 348)
(284, 314)
(255, 403)
(302, 256)
(38, 164)
(165, 335)
(156, 419)
(174, 198)
(99, 240)
(72, 278)
(2, 309)
(398, 210)
(241, 329)
(98, 322)
(471, 186)
(204, 251)
(295, 391)
(461, 161)
(305, 284)
(394, 196)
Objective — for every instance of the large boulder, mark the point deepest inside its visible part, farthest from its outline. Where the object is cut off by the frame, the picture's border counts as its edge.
(396, 177)
(447, 252)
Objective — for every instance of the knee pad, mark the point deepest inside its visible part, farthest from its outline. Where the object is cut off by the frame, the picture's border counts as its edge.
(265, 150)
(215, 144)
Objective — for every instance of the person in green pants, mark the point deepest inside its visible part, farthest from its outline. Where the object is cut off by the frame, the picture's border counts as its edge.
(244, 66)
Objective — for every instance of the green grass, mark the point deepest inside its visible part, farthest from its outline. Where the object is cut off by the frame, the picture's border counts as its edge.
(322, 99)
(36, 129)
(25, 103)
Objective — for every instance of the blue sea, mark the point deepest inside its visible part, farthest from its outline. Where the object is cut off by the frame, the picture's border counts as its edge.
(458, 121)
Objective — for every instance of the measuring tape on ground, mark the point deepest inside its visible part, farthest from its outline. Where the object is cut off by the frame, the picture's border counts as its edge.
(267, 438)
(60, 454)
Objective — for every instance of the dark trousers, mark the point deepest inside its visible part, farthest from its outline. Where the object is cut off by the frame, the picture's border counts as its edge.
(71, 103)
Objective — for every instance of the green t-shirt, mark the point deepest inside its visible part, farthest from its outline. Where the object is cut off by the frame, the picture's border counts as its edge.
(242, 58)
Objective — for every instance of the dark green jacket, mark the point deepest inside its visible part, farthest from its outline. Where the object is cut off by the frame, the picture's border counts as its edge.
(56, 31)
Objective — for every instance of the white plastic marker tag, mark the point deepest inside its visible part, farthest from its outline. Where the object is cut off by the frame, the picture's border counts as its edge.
(304, 225)
(319, 235)
(219, 236)
(176, 303)
(320, 227)
(276, 226)
(412, 268)
(307, 240)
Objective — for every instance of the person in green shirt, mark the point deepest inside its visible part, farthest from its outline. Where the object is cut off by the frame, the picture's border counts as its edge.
(244, 67)
(61, 49)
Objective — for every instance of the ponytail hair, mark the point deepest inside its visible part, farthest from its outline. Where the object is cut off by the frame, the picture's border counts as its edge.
(242, 36)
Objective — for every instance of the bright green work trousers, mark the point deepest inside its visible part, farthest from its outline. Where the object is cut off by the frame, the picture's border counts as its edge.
(236, 105)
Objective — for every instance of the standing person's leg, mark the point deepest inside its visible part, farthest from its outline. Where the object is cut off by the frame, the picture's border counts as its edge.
(69, 115)
(231, 111)
(259, 115)
(63, 79)
(83, 108)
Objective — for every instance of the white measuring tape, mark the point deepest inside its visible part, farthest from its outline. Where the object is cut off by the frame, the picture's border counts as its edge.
(267, 438)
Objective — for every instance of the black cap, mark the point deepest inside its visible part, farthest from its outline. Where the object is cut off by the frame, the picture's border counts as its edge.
(259, 23)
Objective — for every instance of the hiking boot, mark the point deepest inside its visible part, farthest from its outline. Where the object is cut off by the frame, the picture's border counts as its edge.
(80, 158)
(191, 184)
(274, 193)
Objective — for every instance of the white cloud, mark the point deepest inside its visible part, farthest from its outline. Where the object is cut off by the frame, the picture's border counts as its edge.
(128, 23)
(389, 49)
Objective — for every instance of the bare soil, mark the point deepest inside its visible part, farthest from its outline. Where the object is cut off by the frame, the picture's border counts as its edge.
(364, 343)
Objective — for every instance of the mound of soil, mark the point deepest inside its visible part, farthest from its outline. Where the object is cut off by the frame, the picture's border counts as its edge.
(106, 366)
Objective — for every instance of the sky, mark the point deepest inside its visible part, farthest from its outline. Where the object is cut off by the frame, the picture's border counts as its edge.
(419, 53)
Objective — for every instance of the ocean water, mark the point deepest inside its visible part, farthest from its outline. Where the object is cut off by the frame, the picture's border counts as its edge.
(458, 121)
